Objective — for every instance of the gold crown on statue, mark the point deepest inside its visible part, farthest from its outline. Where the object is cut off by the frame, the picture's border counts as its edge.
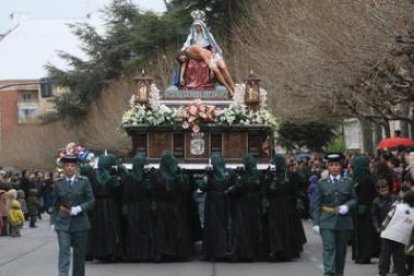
(198, 15)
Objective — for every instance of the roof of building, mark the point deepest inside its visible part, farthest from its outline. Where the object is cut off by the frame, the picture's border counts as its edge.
(26, 50)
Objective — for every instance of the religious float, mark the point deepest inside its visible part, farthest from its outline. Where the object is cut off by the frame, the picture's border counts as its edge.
(203, 111)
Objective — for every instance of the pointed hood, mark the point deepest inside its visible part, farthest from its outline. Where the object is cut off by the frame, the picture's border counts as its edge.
(168, 166)
(138, 164)
(219, 166)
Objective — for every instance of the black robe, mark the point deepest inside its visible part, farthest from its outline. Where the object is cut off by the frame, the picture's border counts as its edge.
(285, 232)
(216, 240)
(245, 213)
(106, 240)
(172, 228)
(139, 240)
(364, 247)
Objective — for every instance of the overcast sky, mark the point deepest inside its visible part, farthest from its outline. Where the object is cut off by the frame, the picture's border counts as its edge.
(61, 9)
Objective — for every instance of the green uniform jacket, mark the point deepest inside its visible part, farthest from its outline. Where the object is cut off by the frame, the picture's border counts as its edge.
(77, 194)
(333, 195)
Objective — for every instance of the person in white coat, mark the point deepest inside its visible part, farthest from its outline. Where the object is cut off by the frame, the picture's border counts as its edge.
(396, 234)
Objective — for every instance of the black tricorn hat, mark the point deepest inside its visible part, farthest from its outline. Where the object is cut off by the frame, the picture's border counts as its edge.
(335, 157)
(69, 159)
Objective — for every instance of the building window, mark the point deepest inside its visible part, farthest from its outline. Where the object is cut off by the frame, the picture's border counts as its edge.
(27, 97)
(27, 114)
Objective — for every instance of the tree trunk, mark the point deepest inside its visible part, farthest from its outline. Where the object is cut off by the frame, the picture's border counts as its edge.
(378, 133)
(367, 132)
(412, 129)
(405, 131)
(387, 129)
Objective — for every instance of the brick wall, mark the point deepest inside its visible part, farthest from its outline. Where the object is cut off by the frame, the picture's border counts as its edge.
(8, 112)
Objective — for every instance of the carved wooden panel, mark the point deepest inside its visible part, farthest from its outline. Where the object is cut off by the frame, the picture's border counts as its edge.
(234, 144)
(158, 142)
(179, 145)
(216, 142)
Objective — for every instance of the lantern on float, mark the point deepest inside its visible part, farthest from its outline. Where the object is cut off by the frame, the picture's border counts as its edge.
(143, 88)
(252, 93)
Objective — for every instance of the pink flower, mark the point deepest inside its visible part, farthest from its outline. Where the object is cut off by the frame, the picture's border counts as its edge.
(209, 118)
(203, 115)
(218, 112)
(185, 125)
(193, 110)
(192, 119)
(202, 108)
(196, 127)
(210, 109)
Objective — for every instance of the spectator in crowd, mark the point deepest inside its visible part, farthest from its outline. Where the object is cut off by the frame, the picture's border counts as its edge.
(4, 210)
(21, 197)
(32, 206)
(15, 215)
(312, 191)
(396, 234)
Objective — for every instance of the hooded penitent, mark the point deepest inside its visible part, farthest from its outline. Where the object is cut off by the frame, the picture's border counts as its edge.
(360, 167)
(138, 164)
(168, 166)
(105, 164)
(281, 171)
(250, 164)
(280, 163)
(86, 170)
(219, 166)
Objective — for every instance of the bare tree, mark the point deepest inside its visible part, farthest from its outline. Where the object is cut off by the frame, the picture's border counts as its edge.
(308, 52)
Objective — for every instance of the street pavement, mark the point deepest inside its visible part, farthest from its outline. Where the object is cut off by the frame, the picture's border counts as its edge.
(35, 254)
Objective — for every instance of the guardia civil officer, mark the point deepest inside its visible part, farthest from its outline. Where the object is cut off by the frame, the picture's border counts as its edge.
(332, 217)
(74, 198)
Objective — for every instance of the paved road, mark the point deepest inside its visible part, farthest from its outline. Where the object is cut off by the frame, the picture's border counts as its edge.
(35, 254)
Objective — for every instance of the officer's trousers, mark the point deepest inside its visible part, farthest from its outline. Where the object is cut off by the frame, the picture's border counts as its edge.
(78, 241)
(334, 243)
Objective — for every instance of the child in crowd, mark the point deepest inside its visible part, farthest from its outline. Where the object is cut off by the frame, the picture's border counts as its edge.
(382, 204)
(396, 234)
(15, 215)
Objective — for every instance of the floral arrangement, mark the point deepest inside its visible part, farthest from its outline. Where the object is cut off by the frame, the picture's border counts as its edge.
(195, 115)
(72, 149)
(234, 114)
(140, 115)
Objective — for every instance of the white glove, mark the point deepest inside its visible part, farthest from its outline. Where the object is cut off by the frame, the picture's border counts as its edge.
(343, 210)
(316, 229)
(75, 210)
(52, 227)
